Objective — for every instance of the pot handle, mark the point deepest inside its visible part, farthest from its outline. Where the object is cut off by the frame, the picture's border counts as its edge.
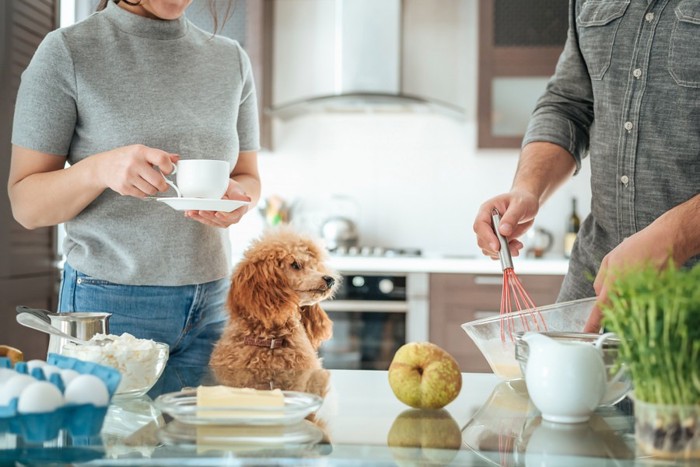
(44, 315)
(31, 321)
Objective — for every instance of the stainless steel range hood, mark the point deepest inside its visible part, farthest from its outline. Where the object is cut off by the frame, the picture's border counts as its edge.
(346, 56)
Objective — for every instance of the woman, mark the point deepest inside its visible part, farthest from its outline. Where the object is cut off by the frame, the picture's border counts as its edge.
(121, 97)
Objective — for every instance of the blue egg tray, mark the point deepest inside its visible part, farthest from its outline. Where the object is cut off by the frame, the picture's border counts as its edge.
(78, 419)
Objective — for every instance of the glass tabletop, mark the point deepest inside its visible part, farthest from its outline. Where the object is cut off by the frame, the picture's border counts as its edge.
(360, 422)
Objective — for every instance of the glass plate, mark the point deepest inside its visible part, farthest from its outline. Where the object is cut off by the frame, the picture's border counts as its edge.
(182, 406)
(302, 433)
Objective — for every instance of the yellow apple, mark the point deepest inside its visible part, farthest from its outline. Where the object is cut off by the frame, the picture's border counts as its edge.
(424, 376)
(421, 436)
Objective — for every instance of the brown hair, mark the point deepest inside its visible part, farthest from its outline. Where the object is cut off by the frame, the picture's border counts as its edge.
(212, 9)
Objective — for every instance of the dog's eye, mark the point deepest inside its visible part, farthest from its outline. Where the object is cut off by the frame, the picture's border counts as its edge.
(296, 265)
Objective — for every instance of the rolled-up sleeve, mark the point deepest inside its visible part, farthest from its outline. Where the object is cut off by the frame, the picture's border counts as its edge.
(564, 113)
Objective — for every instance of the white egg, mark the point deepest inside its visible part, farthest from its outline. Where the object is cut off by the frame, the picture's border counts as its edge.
(67, 375)
(49, 370)
(39, 397)
(13, 387)
(31, 364)
(87, 389)
(6, 374)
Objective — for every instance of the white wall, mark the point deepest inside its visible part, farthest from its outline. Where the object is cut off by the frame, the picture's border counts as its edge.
(418, 178)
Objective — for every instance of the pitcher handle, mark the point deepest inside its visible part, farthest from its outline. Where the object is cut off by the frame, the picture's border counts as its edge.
(550, 238)
(599, 345)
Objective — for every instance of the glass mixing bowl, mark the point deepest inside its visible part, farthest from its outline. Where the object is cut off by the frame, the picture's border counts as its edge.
(500, 353)
(140, 361)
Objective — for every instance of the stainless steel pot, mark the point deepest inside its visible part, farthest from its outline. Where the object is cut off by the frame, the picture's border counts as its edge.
(82, 325)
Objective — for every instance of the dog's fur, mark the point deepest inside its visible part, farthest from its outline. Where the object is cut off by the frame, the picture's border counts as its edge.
(275, 293)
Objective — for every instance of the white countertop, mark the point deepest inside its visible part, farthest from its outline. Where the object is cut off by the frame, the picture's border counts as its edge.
(437, 264)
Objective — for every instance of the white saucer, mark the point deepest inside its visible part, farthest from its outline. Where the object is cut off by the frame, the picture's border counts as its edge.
(203, 204)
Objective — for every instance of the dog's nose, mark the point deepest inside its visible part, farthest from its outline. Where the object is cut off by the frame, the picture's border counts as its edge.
(329, 281)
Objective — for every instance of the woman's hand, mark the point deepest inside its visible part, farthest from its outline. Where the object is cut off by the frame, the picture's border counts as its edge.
(131, 170)
(224, 219)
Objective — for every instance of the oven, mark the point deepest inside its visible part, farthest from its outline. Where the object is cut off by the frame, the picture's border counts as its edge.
(373, 315)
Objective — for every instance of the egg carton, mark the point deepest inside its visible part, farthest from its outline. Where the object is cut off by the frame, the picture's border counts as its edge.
(79, 419)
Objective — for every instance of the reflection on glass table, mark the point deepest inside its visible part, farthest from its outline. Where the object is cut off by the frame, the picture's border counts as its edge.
(509, 431)
(360, 422)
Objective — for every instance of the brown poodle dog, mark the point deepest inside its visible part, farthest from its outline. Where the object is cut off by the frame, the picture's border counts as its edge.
(276, 322)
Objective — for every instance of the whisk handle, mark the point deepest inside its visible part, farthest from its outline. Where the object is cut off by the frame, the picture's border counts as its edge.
(504, 252)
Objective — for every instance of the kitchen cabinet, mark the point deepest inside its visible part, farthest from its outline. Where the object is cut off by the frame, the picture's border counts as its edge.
(28, 272)
(458, 298)
(519, 45)
(250, 23)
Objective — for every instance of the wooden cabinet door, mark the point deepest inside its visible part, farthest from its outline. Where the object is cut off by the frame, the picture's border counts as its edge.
(28, 271)
(519, 45)
(458, 298)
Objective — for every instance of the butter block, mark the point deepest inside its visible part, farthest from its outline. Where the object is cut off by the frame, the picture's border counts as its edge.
(226, 396)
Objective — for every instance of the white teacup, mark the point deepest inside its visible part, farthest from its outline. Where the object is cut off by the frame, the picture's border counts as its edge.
(200, 178)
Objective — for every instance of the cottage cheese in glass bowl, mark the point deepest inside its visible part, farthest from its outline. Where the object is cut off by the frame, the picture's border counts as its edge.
(140, 361)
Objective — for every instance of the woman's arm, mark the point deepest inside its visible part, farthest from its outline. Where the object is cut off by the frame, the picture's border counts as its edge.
(43, 192)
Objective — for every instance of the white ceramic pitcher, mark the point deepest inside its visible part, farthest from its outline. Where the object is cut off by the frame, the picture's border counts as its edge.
(566, 380)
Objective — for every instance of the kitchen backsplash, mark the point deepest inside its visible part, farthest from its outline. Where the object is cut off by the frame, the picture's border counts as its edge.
(417, 179)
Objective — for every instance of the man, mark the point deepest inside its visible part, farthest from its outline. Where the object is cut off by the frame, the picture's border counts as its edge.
(626, 91)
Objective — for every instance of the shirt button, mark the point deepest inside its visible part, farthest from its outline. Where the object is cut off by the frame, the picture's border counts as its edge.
(649, 17)
(628, 126)
(637, 72)
(625, 180)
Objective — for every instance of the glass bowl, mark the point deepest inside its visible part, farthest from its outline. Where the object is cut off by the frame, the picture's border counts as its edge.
(500, 353)
(617, 391)
(140, 361)
(667, 431)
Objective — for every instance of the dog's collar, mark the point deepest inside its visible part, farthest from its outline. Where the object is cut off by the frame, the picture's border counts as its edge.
(268, 343)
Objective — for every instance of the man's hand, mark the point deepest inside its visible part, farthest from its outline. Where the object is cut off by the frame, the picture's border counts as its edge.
(655, 245)
(517, 209)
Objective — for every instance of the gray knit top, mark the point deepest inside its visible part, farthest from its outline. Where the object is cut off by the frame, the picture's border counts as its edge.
(117, 79)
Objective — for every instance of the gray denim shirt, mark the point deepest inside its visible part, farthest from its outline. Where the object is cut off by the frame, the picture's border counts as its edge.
(626, 91)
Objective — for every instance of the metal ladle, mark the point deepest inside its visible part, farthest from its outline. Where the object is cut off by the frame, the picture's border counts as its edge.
(34, 322)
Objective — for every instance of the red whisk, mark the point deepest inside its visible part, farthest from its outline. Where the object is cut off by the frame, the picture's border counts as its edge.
(513, 294)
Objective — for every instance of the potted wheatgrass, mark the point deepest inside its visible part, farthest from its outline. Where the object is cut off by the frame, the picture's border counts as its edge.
(656, 314)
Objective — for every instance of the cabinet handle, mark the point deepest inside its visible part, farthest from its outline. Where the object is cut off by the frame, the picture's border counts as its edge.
(479, 314)
(488, 280)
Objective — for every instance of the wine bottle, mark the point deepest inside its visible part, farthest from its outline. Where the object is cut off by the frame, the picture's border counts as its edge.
(572, 227)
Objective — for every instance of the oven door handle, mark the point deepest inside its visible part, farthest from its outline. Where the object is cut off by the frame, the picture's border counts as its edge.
(365, 306)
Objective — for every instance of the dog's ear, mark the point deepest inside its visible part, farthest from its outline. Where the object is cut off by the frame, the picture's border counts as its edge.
(260, 290)
(318, 325)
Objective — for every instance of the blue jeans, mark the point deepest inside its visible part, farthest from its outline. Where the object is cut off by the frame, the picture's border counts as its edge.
(189, 318)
